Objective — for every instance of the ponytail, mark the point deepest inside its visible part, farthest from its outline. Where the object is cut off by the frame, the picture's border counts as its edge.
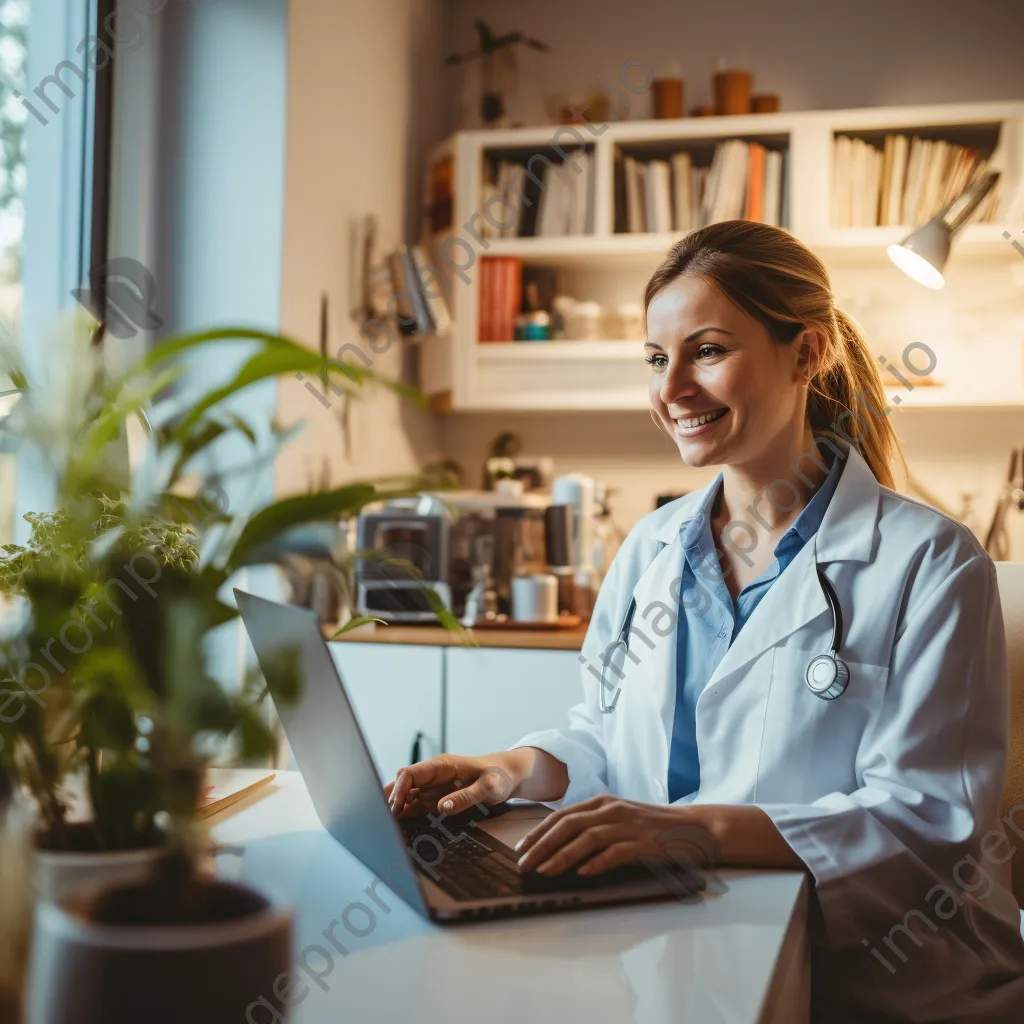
(778, 281)
(847, 397)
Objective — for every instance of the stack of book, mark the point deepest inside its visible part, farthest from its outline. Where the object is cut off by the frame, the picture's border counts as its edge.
(905, 183)
(420, 303)
(501, 297)
(550, 198)
(745, 180)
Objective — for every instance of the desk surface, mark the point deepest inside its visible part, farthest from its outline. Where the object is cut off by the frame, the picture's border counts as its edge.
(738, 956)
(438, 636)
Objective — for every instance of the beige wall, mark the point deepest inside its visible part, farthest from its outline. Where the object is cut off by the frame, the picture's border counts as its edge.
(363, 85)
(368, 95)
(815, 55)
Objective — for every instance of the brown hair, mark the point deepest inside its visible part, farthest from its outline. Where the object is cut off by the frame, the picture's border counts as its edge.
(778, 281)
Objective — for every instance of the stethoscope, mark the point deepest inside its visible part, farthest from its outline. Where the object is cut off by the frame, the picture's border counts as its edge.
(827, 675)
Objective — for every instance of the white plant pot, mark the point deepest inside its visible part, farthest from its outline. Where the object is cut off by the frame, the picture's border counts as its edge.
(59, 874)
(85, 972)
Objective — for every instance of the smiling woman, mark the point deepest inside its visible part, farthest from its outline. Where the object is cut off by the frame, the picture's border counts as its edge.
(718, 298)
(826, 692)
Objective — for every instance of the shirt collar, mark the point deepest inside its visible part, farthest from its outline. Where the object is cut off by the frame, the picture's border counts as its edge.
(696, 529)
(806, 524)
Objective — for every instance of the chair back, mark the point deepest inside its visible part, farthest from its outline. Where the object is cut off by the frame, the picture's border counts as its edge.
(1011, 596)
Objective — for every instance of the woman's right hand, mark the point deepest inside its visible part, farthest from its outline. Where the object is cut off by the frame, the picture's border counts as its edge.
(449, 783)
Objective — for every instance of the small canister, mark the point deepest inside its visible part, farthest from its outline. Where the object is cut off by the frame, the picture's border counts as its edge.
(582, 323)
(535, 326)
(534, 598)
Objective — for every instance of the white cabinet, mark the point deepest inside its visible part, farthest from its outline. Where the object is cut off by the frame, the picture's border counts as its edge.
(396, 691)
(497, 695)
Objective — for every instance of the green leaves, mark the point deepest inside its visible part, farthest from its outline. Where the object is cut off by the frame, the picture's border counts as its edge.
(355, 623)
(272, 521)
(117, 571)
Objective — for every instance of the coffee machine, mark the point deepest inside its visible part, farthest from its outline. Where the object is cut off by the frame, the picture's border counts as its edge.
(443, 544)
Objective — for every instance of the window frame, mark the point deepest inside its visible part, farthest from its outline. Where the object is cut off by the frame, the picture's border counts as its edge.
(67, 197)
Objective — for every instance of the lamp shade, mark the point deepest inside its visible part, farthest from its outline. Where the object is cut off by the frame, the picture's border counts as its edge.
(923, 253)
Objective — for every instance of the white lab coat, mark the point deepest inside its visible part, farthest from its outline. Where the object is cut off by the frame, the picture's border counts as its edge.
(882, 792)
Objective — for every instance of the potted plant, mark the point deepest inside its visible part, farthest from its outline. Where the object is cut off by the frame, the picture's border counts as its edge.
(489, 50)
(116, 597)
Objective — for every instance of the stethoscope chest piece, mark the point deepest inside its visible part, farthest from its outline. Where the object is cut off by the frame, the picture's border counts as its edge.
(827, 676)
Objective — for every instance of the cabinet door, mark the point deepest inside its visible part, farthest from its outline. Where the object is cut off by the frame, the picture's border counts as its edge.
(396, 692)
(497, 695)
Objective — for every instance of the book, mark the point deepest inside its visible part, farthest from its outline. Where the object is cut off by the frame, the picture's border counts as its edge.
(412, 306)
(634, 194)
(621, 224)
(682, 184)
(912, 188)
(839, 198)
(754, 205)
(500, 297)
(772, 203)
(658, 196)
(711, 185)
(429, 286)
(893, 198)
(698, 186)
(729, 172)
(531, 187)
(784, 191)
(228, 786)
(579, 189)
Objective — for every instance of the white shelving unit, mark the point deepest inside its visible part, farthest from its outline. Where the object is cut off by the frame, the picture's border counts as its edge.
(463, 375)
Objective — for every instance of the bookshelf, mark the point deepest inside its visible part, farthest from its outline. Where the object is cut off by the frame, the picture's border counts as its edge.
(611, 266)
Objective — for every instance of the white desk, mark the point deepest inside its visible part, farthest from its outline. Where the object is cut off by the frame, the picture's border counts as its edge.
(740, 956)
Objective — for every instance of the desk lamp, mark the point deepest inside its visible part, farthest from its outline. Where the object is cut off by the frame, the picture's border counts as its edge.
(923, 253)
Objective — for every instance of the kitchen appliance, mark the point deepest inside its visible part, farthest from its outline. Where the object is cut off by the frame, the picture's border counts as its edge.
(403, 547)
(579, 491)
(559, 546)
(453, 543)
(596, 538)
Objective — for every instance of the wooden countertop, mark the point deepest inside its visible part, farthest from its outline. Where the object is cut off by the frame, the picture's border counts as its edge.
(436, 636)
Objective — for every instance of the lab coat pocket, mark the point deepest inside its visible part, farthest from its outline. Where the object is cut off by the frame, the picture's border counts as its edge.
(809, 745)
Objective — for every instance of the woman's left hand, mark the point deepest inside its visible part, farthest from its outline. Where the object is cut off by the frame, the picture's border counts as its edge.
(606, 832)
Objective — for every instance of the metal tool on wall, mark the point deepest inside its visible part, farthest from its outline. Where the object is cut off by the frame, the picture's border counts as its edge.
(997, 540)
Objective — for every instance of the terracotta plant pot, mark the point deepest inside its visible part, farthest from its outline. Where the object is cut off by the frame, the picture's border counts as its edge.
(668, 97)
(765, 103)
(92, 966)
(732, 92)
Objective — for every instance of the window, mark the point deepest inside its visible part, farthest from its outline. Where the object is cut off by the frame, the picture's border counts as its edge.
(14, 28)
(54, 157)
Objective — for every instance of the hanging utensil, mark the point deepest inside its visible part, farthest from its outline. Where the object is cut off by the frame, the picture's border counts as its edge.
(997, 540)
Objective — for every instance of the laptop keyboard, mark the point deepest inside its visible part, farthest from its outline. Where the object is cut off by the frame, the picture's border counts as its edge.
(477, 866)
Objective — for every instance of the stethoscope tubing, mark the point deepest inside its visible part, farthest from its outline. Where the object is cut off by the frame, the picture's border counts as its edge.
(838, 632)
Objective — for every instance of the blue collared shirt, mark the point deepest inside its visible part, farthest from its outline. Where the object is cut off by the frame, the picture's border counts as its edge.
(708, 625)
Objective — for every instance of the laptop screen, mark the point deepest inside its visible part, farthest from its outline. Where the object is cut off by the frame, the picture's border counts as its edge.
(325, 737)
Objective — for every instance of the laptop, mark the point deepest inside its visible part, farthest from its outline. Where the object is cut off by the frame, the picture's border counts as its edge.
(447, 868)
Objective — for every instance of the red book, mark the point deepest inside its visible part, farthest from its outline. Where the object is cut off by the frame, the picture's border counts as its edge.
(501, 281)
(755, 183)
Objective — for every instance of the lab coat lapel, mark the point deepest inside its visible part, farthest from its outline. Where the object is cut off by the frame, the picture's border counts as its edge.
(653, 642)
(847, 533)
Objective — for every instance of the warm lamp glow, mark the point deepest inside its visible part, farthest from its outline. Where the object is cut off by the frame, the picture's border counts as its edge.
(922, 255)
(916, 267)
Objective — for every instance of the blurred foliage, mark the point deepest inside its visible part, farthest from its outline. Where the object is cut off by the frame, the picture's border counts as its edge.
(13, 59)
(103, 667)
